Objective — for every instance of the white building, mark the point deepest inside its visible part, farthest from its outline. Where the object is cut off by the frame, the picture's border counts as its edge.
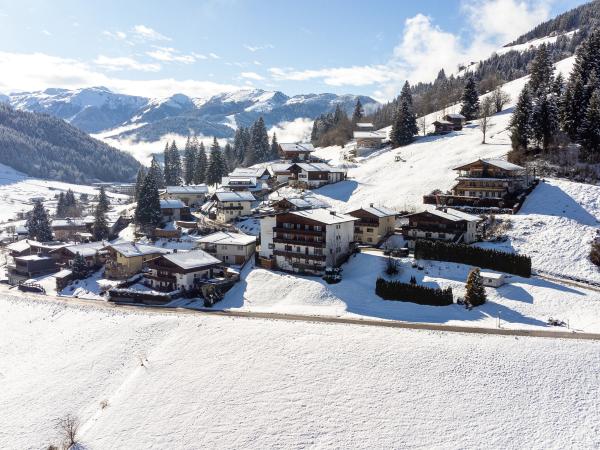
(492, 279)
(306, 241)
(315, 175)
(232, 204)
(191, 195)
(231, 248)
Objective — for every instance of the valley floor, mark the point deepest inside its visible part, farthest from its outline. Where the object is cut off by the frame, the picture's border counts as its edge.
(246, 383)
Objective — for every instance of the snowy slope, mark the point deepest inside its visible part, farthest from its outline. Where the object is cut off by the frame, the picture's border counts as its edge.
(210, 382)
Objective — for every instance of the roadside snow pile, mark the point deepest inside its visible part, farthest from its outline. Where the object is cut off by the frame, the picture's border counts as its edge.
(249, 383)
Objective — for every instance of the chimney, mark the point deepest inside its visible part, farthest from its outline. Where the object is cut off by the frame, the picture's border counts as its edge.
(371, 205)
(174, 250)
(332, 213)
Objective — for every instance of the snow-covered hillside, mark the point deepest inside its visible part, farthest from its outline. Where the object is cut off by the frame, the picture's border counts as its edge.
(140, 380)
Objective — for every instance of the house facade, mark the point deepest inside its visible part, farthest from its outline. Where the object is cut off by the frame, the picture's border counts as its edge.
(443, 126)
(181, 270)
(314, 175)
(306, 241)
(448, 225)
(232, 204)
(69, 229)
(374, 223)
(368, 139)
(191, 195)
(173, 210)
(280, 172)
(230, 248)
(491, 179)
(299, 151)
(127, 259)
(93, 253)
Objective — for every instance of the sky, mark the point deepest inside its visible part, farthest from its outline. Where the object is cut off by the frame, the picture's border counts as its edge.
(201, 48)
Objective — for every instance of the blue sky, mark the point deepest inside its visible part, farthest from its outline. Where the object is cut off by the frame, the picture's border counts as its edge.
(157, 48)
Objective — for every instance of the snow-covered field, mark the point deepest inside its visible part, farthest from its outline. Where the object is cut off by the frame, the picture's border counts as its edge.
(172, 381)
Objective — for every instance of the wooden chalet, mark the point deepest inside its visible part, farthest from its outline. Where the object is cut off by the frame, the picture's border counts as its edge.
(299, 151)
(445, 225)
(181, 270)
(374, 223)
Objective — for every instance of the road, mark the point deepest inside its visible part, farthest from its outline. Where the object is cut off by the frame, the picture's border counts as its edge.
(561, 334)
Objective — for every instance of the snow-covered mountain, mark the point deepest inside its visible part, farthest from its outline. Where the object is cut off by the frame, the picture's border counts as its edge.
(98, 109)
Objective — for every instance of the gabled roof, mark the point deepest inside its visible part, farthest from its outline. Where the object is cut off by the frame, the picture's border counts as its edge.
(193, 259)
(496, 162)
(368, 135)
(238, 181)
(455, 116)
(378, 211)
(234, 196)
(190, 189)
(463, 215)
(443, 122)
(68, 223)
(169, 203)
(451, 215)
(131, 249)
(317, 167)
(275, 168)
(323, 215)
(364, 125)
(255, 172)
(19, 246)
(89, 249)
(225, 237)
(297, 147)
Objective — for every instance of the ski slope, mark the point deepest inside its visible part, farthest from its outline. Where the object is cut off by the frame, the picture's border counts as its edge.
(186, 382)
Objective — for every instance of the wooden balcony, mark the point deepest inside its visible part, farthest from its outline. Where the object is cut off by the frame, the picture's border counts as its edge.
(299, 231)
(299, 255)
(296, 241)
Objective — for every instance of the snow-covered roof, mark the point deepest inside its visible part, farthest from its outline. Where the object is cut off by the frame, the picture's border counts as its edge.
(169, 203)
(131, 249)
(19, 246)
(503, 164)
(238, 181)
(324, 215)
(278, 168)
(192, 259)
(463, 215)
(56, 223)
(255, 172)
(378, 211)
(454, 215)
(297, 147)
(368, 135)
(492, 275)
(225, 237)
(33, 258)
(88, 249)
(234, 196)
(318, 167)
(191, 189)
(364, 125)
(443, 122)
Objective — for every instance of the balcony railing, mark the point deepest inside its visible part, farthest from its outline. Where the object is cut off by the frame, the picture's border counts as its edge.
(295, 241)
(299, 231)
(289, 254)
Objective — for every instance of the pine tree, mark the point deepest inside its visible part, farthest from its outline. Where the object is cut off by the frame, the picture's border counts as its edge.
(139, 181)
(541, 72)
(167, 171)
(189, 161)
(475, 291)
(157, 173)
(216, 166)
(470, 100)
(229, 157)
(405, 94)
(147, 212)
(38, 224)
(544, 120)
(589, 132)
(175, 171)
(201, 165)
(274, 148)
(103, 201)
(520, 124)
(558, 86)
(572, 106)
(595, 252)
(60, 205)
(404, 126)
(260, 140)
(239, 144)
(100, 229)
(358, 113)
(79, 268)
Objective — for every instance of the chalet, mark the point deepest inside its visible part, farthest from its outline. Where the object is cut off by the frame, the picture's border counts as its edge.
(364, 126)
(181, 270)
(456, 119)
(25, 267)
(127, 259)
(306, 241)
(369, 139)
(296, 152)
(315, 175)
(243, 183)
(374, 223)
(69, 229)
(173, 209)
(191, 195)
(490, 178)
(445, 225)
(93, 253)
(230, 205)
(260, 173)
(280, 172)
(296, 204)
(443, 126)
(231, 248)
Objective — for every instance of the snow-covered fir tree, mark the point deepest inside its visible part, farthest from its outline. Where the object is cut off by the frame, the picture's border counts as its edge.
(404, 126)
(589, 132)
(274, 147)
(470, 100)
(174, 172)
(260, 140)
(189, 161)
(201, 165)
(475, 291)
(520, 123)
(139, 181)
(358, 113)
(544, 120)
(216, 165)
(541, 72)
(79, 268)
(103, 201)
(147, 212)
(38, 224)
(100, 229)
(229, 157)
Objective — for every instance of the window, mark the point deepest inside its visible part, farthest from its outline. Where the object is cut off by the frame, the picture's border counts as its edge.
(369, 230)
(288, 248)
(318, 251)
(427, 235)
(240, 247)
(271, 246)
(317, 227)
(288, 225)
(442, 235)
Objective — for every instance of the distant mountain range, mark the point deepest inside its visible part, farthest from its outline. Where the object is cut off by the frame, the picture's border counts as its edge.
(97, 109)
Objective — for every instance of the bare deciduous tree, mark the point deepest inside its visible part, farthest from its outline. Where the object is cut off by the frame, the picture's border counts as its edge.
(486, 109)
(501, 98)
(68, 427)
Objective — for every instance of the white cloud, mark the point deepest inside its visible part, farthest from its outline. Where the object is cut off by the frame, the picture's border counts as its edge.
(124, 63)
(169, 54)
(252, 76)
(339, 76)
(38, 71)
(255, 48)
(199, 55)
(46, 32)
(214, 56)
(117, 35)
(297, 130)
(145, 33)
